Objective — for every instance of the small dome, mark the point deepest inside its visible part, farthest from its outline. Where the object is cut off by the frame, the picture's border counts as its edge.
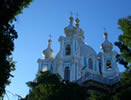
(48, 53)
(69, 30)
(106, 45)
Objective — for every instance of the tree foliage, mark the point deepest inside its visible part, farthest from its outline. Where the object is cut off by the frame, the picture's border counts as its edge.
(9, 9)
(100, 97)
(48, 86)
(124, 44)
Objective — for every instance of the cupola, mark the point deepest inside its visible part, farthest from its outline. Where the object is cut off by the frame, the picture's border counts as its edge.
(106, 45)
(69, 30)
(48, 53)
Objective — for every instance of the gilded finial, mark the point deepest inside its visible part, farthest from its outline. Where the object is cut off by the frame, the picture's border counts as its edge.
(105, 34)
(50, 36)
(104, 30)
(77, 15)
(49, 41)
(71, 18)
(71, 14)
(77, 20)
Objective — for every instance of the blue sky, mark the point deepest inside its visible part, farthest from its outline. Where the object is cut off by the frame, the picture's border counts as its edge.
(44, 17)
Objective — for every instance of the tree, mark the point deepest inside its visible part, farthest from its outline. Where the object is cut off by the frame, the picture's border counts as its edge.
(48, 86)
(100, 97)
(124, 58)
(124, 45)
(9, 9)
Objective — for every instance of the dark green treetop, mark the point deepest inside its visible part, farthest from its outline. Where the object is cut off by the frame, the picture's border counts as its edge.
(48, 86)
(9, 9)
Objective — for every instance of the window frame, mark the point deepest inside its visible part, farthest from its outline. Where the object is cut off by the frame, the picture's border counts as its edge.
(68, 50)
(90, 63)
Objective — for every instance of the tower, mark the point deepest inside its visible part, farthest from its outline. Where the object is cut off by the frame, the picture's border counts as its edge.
(46, 63)
(75, 58)
(68, 58)
(107, 59)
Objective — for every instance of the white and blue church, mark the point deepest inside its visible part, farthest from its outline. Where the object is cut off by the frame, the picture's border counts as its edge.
(78, 62)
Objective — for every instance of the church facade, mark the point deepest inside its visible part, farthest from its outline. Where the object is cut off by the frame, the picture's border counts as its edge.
(78, 62)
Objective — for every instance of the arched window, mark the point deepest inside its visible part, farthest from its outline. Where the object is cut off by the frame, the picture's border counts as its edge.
(68, 50)
(67, 74)
(90, 63)
(108, 64)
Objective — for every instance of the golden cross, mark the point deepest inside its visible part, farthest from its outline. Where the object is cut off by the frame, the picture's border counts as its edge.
(50, 36)
(104, 29)
(77, 15)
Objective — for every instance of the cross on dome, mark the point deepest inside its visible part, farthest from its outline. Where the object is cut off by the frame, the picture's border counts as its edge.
(105, 34)
(71, 18)
(77, 20)
(71, 14)
(104, 29)
(50, 36)
(49, 41)
(77, 15)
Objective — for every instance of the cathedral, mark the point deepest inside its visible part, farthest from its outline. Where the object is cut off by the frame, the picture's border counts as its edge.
(78, 62)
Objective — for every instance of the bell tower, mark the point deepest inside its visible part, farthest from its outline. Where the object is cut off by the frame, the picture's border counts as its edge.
(47, 63)
(69, 54)
(107, 59)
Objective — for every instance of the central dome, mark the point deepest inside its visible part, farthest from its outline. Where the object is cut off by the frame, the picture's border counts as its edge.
(86, 51)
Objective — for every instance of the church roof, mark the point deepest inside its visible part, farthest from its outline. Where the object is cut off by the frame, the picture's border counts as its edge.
(86, 50)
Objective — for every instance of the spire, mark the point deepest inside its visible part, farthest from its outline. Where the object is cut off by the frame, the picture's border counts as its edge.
(77, 20)
(71, 18)
(105, 34)
(106, 45)
(49, 41)
(48, 53)
(69, 30)
(78, 31)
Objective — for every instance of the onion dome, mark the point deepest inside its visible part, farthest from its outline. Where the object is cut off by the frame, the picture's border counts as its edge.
(78, 30)
(48, 53)
(106, 45)
(69, 30)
